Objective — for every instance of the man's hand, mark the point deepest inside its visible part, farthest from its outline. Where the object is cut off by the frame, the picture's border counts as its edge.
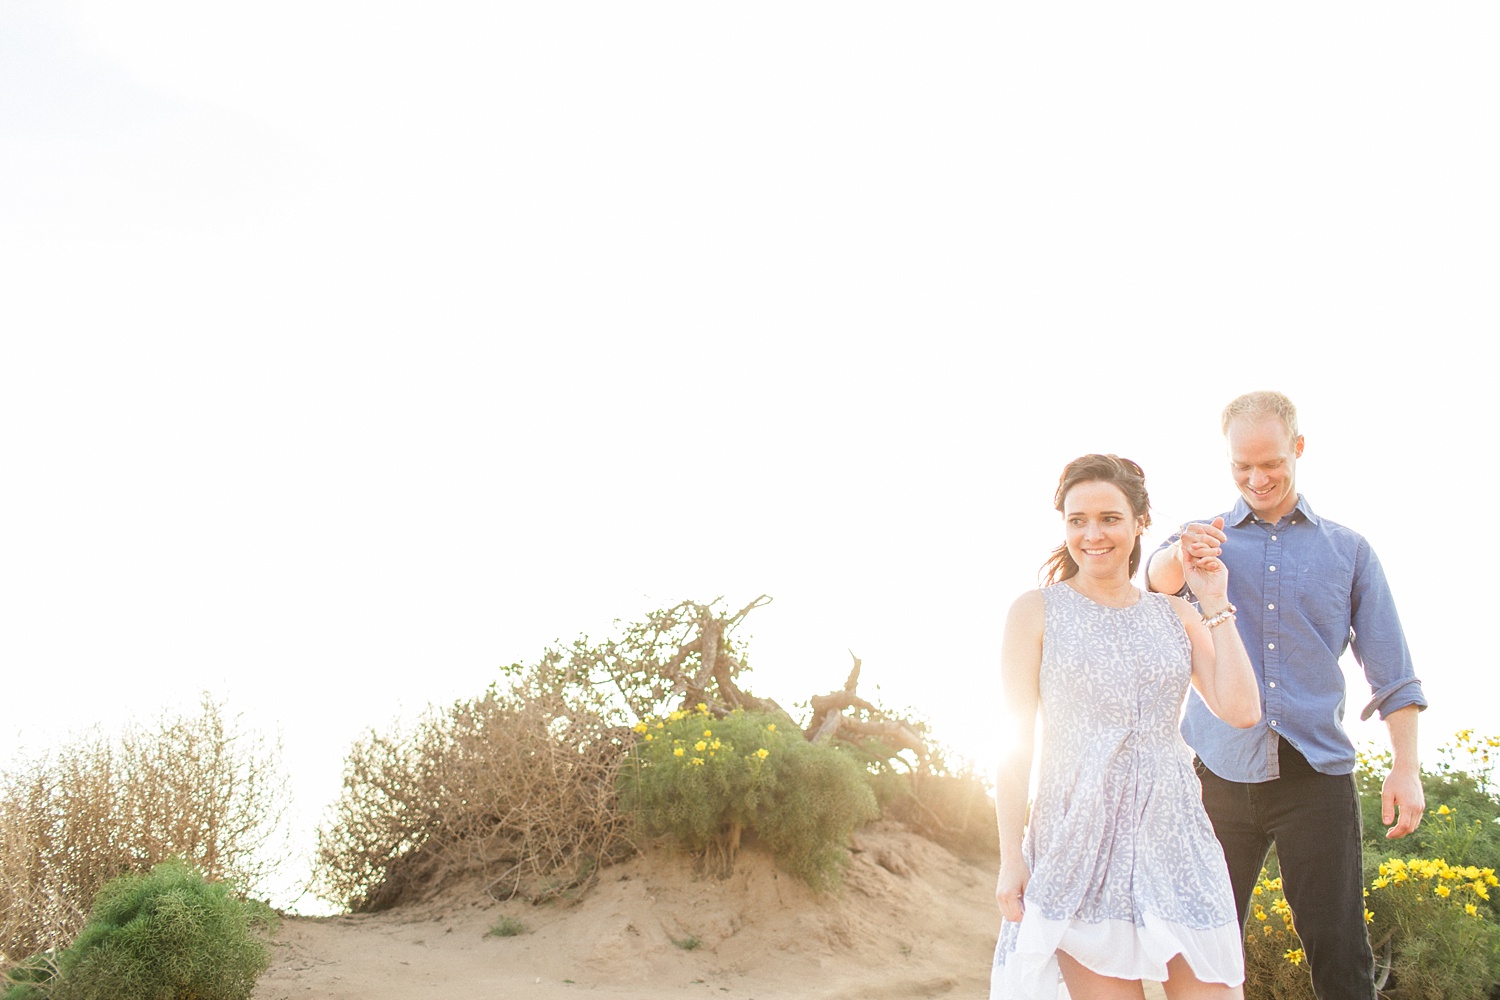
(1402, 794)
(1200, 541)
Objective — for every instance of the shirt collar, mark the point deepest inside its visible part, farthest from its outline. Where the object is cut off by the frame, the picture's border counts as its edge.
(1242, 512)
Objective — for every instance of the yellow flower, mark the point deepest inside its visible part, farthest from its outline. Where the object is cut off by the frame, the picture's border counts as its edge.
(1442, 890)
(762, 753)
(716, 744)
(700, 746)
(1369, 916)
(1294, 955)
(770, 727)
(676, 715)
(697, 760)
(677, 752)
(1381, 882)
(1256, 891)
(639, 727)
(707, 733)
(1260, 914)
(702, 708)
(1443, 810)
(649, 737)
(1471, 909)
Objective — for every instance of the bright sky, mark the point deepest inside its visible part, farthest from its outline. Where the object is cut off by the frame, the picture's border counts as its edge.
(352, 351)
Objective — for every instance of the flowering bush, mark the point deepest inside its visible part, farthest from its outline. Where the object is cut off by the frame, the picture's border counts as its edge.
(1275, 965)
(706, 782)
(1437, 917)
(1434, 913)
(1461, 780)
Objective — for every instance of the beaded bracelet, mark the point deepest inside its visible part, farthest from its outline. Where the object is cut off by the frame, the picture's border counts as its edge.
(1220, 618)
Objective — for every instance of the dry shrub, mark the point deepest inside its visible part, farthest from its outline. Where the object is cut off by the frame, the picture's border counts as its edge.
(193, 787)
(516, 785)
(954, 809)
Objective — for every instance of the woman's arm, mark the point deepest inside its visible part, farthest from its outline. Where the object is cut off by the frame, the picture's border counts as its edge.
(1020, 671)
(1222, 674)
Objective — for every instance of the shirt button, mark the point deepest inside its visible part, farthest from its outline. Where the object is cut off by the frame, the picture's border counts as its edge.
(1273, 569)
(1273, 722)
(1270, 607)
(1273, 538)
(1271, 684)
(1270, 645)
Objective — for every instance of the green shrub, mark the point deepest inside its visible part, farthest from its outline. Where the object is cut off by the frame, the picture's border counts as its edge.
(169, 934)
(1432, 910)
(1435, 915)
(1460, 780)
(705, 782)
(507, 927)
(1275, 966)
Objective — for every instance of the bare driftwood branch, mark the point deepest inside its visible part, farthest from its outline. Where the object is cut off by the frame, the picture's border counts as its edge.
(845, 715)
(853, 680)
(739, 615)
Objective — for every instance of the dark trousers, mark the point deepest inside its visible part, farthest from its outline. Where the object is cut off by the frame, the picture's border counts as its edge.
(1313, 819)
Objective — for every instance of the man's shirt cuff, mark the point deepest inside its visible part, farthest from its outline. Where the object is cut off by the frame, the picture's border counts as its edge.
(1396, 695)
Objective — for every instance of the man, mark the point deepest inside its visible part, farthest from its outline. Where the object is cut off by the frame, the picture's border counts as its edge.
(1304, 588)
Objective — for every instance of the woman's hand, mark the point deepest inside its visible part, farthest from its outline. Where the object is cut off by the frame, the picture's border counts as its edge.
(1198, 540)
(1202, 569)
(1010, 891)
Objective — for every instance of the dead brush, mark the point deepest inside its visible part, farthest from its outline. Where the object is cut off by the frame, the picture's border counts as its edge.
(191, 787)
(516, 786)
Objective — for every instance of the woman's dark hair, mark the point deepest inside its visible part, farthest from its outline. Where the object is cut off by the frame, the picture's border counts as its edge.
(1112, 469)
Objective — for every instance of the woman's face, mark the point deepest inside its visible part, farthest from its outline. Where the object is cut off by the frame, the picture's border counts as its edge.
(1101, 530)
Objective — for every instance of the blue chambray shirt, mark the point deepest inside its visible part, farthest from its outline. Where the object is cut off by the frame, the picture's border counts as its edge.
(1306, 588)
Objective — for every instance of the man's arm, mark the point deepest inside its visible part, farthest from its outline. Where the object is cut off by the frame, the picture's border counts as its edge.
(1164, 571)
(1380, 647)
(1401, 797)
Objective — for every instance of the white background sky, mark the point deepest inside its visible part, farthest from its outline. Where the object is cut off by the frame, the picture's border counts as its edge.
(353, 350)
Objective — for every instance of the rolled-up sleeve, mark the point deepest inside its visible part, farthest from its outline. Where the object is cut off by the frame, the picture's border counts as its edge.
(1378, 642)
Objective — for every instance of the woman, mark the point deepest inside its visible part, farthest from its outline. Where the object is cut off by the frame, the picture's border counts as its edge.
(1119, 877)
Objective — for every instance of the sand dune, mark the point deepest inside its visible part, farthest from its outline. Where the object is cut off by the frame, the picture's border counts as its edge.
(912, 921)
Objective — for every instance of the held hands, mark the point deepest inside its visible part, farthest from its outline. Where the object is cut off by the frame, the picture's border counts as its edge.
(1202, 570)
(1010, 891)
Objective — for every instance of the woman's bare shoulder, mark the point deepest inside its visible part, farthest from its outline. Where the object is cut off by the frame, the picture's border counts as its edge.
(1030, 606)
(1184, 610)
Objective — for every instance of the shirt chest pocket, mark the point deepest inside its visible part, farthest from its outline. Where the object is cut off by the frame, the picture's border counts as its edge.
(1323, 594)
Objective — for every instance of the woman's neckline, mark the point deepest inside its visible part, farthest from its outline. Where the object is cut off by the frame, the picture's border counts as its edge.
(1135, 591)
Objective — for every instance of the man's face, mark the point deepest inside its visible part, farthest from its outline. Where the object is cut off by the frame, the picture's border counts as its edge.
(1263, 459)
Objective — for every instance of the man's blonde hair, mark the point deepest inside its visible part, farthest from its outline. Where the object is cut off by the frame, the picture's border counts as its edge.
(1262, 403)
